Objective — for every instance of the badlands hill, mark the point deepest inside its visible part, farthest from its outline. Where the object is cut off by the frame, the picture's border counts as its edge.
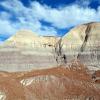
(83, 43)
(26, 50)
(26, 38)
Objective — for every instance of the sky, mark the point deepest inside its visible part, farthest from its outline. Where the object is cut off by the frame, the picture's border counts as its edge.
(46, 17)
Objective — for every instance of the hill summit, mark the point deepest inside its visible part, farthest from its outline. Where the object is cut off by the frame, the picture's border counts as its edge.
(26, 38)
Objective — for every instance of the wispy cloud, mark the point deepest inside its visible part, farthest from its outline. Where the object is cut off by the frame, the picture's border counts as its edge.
(26, 19)
(16, 16)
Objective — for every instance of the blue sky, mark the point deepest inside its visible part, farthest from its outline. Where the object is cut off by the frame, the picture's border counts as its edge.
(46, 17)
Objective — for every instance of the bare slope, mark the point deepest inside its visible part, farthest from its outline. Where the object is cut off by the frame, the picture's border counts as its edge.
(60, 83)
(83, 43)
(26, 50)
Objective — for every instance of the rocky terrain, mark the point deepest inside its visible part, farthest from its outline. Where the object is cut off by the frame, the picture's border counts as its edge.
(73, 82)
(29, 51)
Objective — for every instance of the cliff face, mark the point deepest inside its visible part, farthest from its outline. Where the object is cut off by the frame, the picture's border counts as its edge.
(83, 43)
(28, 51)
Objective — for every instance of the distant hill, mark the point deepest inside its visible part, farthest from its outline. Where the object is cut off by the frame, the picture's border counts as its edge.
(26, 50)
(26, 38)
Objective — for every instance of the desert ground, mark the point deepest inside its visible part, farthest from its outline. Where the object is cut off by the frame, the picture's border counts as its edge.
(74, 82)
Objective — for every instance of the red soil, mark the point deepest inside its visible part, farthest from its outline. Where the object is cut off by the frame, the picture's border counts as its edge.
(60, 83)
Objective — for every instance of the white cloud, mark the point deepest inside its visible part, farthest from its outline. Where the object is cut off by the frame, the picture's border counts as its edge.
(64, 17)
(26, 20)
(29, 17)
(1, 42)
(6, 27)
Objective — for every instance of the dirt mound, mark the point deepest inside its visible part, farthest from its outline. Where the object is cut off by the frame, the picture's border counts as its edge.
(60, 83)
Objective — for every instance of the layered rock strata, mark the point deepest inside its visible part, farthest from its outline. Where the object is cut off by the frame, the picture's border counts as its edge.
(83, 43)
(26, 51)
